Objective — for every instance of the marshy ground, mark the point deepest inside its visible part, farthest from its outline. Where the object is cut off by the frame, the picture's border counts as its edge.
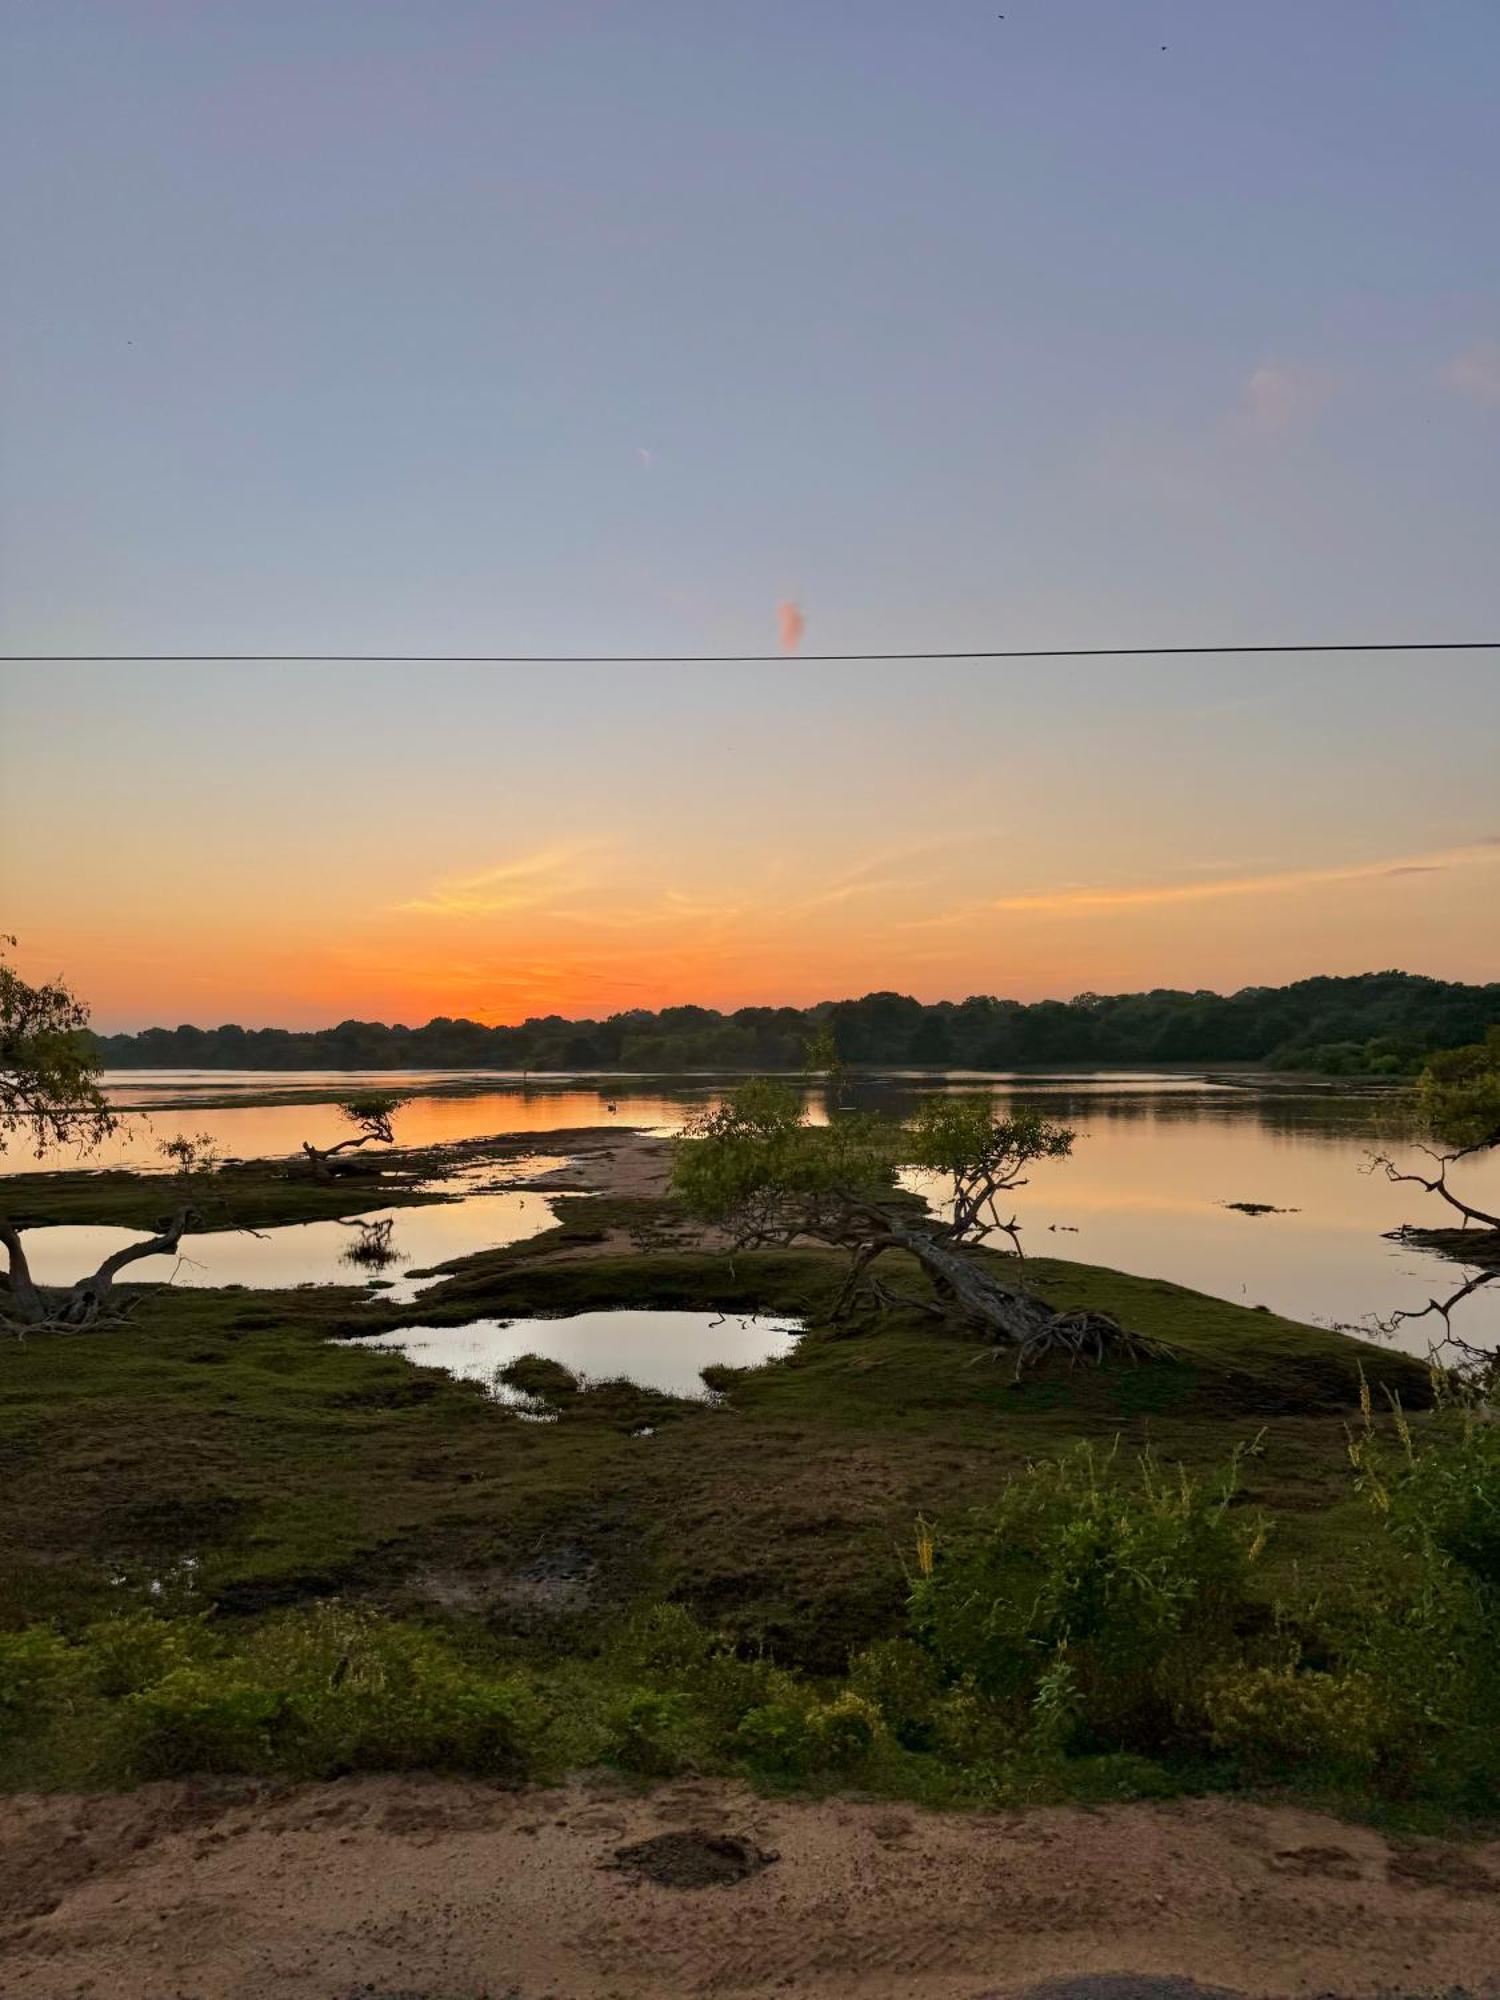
(220, 1456)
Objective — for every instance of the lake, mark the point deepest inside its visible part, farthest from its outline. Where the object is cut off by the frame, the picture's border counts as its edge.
(1158, 1157)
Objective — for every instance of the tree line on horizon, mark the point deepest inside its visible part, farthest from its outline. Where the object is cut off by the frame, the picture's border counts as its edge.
(1369, 1024)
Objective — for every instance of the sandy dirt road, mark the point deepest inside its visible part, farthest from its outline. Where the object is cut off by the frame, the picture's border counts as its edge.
(431, 1889)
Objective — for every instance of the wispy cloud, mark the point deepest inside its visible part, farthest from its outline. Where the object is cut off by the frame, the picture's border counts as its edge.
(790, 625)
(521, 884)
(1281, 882)
(1476, 373)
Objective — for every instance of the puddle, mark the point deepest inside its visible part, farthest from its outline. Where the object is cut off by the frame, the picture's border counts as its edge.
(665, 1351)
(371, 1249)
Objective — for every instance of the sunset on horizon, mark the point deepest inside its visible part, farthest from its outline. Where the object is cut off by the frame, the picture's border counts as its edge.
(749, 1000)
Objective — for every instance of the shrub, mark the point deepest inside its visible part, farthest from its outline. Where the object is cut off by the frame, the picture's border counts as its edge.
(1089, 1600)
(664, 1638)
(1441, 1495)
(367, 1694)
(902, 1681)
(120, 1656)
(650, 1732)
(201, 1718)
(1274, 1720)
(775, 1736)
(842, 1731)
(36, 1673)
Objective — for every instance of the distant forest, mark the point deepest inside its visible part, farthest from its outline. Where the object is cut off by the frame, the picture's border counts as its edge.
(1376, 1024)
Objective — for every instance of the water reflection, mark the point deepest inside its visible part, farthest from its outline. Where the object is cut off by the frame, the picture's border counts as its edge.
(372, 1248)
(665, 1351)
(1165, 1168)
(309, 1253)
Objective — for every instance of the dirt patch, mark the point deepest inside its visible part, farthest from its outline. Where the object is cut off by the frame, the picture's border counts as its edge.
(447, 1890)
(1336, 1862)
(1435, 1867)
(692, 1859)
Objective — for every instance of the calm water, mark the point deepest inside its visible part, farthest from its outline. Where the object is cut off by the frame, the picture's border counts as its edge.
(667, 1351)
(380, 1245)
(1157, 1158)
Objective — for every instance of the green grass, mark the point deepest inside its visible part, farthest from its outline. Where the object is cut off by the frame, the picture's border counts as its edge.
(258, 1194)
(217, 1456)
(226, 1427)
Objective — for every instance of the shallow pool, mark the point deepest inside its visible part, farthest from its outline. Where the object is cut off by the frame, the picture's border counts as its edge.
(376, 1248)
(666, 1351)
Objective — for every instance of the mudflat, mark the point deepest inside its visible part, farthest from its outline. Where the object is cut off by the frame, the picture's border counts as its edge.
(435, 1889)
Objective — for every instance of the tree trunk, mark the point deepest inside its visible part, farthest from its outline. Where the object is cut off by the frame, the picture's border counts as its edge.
(87, 1299)
(320, 1157)
(1013, 1319)
(29, 1305)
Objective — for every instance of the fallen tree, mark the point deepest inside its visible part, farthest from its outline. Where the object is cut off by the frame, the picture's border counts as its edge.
(91, 1298)
(372, 1114)
(755, 1167)
(1459, 1100)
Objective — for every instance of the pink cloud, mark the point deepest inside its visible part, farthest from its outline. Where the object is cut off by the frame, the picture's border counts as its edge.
(790, 625)
(1476, 373)
(1279, 394)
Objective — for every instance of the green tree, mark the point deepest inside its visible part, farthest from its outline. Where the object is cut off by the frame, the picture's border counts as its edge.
(1459, 1095)
(50, 1096)
(757, 1168)
(823, 1060)
(49, 1071)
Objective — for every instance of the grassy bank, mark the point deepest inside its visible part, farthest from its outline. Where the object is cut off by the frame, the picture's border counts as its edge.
(220, 1463)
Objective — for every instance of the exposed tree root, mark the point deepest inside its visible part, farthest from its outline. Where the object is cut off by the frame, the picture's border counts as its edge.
(1014, 1321)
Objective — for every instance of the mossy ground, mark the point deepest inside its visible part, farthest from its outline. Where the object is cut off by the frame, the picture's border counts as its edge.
(255, 1194)
(220, 1451)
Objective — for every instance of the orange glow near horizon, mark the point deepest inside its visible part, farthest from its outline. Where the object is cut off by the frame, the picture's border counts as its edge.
(583, 933)
(290, 849)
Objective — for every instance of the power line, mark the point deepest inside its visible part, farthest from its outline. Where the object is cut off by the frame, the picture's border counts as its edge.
(739, 659)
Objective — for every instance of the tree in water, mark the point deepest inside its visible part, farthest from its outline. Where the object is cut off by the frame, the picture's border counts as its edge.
(1459, 1097)
(50, 1096)
(755, 1167)
(824, 1063)
(372, 1114)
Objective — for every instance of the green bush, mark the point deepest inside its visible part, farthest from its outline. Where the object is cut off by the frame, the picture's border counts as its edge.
(368, 1694)
(651, 1732)
(903, 1683)
(1276, 1720)
(36, 1676)
(664, 1638)
(842, 1731)
(775, 1737)
(120, 1656)
(1089, 1599)
(1442, 1496)
(201, 1718)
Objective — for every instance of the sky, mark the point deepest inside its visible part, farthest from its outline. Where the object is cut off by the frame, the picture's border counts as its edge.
(572, 327)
